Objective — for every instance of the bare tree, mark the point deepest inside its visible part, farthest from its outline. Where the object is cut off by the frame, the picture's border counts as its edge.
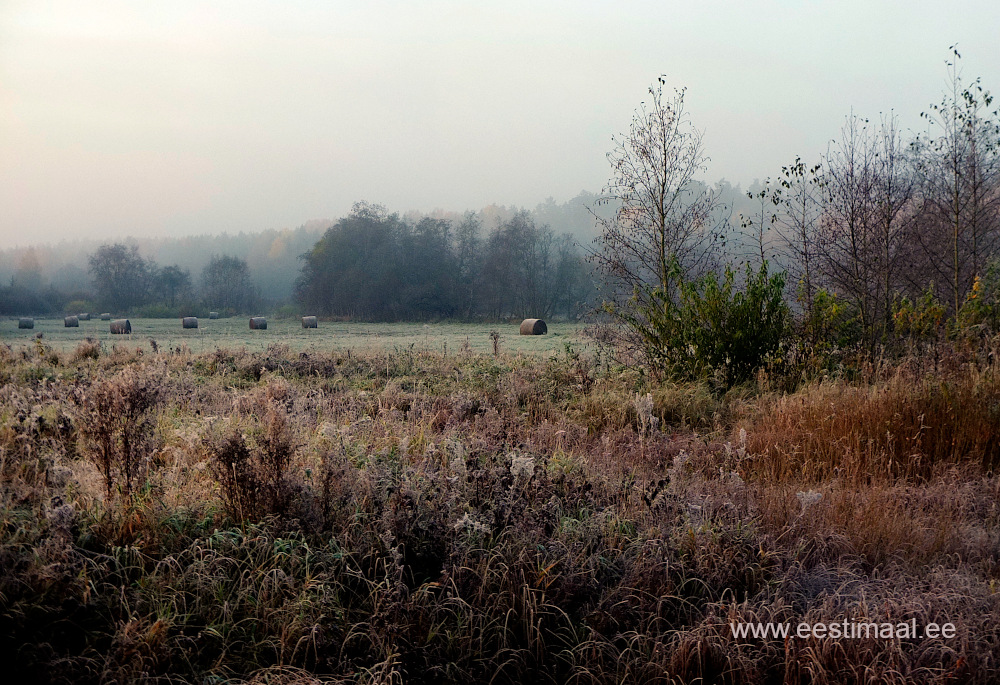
(848, 239)
(759, 224)
(799, 199)
(866, 206)
(892, 192)
(662, 215)
(959, 228)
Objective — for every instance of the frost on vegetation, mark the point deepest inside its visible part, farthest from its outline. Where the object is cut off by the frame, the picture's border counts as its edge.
(59, 475)
(808, 498)
(356, 426)
(522, 465)
(468, 523)
(740, 451)
(644, 409)
(60, 516)
(456, 458)
(678, 474)
(731, 477)
(681, 460)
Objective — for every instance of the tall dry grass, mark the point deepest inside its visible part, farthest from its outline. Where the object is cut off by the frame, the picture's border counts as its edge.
(910, 425)
(412, 517)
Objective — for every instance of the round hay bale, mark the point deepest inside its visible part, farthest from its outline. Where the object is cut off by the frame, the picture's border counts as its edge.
(26, 322)
(258, 323)
(189, 322)
(106, 316)
(83, 316)
(71, 322)
(121, 327)
(310, 322)
(213, 315)
(533, 327)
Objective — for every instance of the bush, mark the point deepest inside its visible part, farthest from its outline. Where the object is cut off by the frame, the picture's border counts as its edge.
(830, 320)
(88, 349)
(115, 422)
(922, 319)
(982, 304)
(713, 327)
(287, 311)
(252, 476)
(165, 311)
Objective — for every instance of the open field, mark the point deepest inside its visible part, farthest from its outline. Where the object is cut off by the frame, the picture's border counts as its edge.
(398, 515)
(330, 336)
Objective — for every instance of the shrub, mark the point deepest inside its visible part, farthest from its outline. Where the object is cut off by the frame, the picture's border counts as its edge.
(75, 306)
(922, 319)
(237, 475)
(159, 311)
(115, 423)
(982, 304)
(712, 326)
(88, 349)
(252, 475)
(830, 320)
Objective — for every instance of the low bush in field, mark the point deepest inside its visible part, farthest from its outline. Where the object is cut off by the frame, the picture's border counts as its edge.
(113, 420)
(710, 327)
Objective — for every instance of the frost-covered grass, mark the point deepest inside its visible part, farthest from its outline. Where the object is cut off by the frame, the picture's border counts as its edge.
(401, 515)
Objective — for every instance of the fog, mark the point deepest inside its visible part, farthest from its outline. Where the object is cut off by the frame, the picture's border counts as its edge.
(127, 119)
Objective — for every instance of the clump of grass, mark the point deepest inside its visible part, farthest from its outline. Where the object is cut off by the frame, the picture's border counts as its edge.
(904, 427)
(687, 405)
(90, 348)
(252, 472)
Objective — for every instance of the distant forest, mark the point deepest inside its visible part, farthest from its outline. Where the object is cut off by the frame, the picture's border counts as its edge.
(492, 264)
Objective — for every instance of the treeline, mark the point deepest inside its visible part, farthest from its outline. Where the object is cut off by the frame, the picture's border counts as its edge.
(370, 265)
(888, 234)
(885, 241)
(52, 279)
(374, 265)
(125, 282)
(272, 256)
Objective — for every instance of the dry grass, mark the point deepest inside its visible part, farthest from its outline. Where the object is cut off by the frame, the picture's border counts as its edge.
(298, 517)
(908, 426)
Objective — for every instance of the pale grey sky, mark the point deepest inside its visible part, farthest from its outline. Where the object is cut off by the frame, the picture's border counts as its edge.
(170, 118)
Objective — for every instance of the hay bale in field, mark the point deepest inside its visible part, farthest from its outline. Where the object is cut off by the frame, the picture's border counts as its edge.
(189, 322)
(310, 322)
(71, 322)
(106, 316)
(26, 322)
(213, 315)
(533, 327)
(258, 323)
(83, 316)
(121, 327)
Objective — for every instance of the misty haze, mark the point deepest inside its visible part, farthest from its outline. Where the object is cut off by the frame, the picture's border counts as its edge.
(466, 343)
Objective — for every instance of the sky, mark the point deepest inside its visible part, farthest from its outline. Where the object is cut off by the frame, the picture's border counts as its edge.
(177, 118)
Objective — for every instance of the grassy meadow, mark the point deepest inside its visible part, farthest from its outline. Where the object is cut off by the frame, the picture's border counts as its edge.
(359, 504)
(330, 336)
